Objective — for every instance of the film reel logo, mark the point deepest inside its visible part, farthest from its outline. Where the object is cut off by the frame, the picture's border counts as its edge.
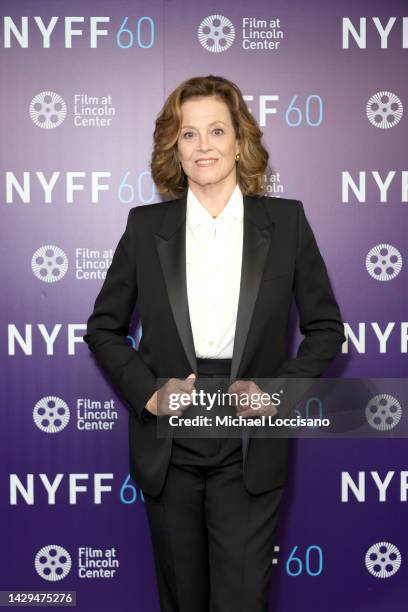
(383, 262)
(383, 412)
(216, 33)
(384, 110)
(53, 562)
(49, 263)
(383, 560)
(51, 414)
(47, 110)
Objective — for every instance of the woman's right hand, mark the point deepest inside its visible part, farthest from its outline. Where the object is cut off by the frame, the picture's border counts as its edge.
(159, 403)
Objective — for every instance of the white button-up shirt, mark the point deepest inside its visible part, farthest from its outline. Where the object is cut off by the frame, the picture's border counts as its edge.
(213, 262)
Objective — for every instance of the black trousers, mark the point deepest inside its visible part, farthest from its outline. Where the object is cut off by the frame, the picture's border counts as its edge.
(212, 540)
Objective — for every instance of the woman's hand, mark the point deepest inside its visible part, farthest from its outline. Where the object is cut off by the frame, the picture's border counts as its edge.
(251, 408)
(159, 403)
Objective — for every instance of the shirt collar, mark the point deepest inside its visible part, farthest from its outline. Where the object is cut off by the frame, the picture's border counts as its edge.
(197, 213)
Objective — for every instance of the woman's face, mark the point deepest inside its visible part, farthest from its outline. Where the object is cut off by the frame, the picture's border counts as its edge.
(207, 133)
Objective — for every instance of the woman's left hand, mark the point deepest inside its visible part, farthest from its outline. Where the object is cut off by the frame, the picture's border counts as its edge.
(251, 407)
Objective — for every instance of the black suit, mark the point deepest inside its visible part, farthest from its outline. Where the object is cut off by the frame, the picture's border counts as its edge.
(212, 504)
(280, 256)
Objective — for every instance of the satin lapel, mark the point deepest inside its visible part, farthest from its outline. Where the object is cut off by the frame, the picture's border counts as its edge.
(171, 247)
(256, 241)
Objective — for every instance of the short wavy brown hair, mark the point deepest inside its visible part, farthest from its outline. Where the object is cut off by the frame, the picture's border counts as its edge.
(167, 173)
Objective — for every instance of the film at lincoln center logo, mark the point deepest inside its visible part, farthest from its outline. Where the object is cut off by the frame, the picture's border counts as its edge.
(47, 110)
(216, 33)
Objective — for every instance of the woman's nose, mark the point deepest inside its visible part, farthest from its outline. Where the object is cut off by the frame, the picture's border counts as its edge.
(203, 144)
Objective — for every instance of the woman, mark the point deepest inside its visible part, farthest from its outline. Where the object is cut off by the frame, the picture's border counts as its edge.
(213, 271)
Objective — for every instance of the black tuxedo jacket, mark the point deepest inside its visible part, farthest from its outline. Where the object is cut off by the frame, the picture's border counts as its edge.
(280, 260)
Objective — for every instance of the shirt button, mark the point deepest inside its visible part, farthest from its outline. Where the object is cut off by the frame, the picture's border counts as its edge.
(211, 342)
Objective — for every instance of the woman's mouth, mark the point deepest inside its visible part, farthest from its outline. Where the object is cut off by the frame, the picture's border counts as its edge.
(203, 163)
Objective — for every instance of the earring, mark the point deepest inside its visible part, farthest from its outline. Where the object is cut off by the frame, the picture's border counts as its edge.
(237, 157)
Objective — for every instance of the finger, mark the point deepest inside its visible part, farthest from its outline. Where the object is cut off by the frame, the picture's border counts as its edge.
(186, 384)
(245, 413)
(237, 385)
(170, 412)
(250, 412)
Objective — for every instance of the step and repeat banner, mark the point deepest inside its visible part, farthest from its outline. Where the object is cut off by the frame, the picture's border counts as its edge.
(82, 84)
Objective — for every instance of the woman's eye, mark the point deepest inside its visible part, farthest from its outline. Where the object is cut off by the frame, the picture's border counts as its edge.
(187, 134)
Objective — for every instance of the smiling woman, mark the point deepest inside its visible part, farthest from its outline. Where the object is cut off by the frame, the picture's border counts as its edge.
(213, 271)
(208, 150)
(205, 134)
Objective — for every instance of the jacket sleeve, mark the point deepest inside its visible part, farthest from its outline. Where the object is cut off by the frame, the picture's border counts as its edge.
(319, 314)
(319, 320)
(108, 326)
